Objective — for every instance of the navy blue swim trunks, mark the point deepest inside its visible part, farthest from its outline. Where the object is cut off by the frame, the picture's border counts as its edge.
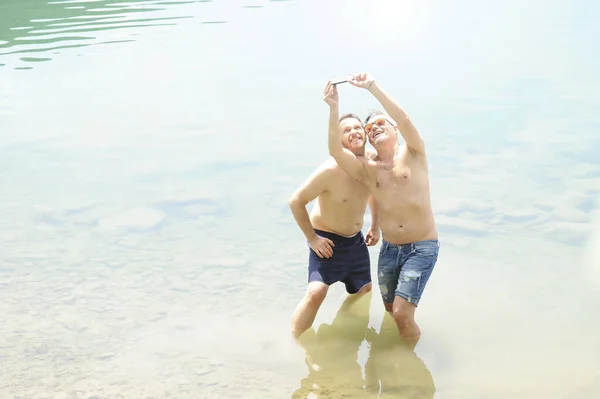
(350, 263)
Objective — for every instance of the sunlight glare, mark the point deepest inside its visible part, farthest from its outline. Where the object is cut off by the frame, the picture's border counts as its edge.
(406, 16)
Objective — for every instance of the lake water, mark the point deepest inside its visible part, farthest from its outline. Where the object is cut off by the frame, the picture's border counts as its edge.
(148, 149)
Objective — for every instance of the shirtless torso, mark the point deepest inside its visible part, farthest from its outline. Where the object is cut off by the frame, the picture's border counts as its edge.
(398, 180)
(333, 229)
(341, 206)
(402, 190)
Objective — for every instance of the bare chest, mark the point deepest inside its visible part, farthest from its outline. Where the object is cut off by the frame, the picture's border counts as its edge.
(345, 190)
(399, 176)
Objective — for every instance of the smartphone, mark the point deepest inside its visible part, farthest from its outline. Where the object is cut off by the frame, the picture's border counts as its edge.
(338, 81)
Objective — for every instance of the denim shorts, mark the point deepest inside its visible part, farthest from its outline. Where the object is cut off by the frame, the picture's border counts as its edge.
(350, 263)
(403, 270)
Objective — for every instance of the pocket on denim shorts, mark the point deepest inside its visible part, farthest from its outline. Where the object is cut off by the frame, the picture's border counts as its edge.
(384, 247)
(429, 249)
(387, 260)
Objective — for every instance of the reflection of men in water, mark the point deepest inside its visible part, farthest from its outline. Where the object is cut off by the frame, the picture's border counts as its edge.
(393, 370)
(398, 180)
(338, 250)
(332, 354)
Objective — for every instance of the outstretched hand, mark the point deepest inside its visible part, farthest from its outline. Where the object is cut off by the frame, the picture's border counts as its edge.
(330, 94)
(363, 80)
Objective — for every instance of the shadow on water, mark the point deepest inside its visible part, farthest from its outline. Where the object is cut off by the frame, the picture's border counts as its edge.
(392, 369)
(33, 30)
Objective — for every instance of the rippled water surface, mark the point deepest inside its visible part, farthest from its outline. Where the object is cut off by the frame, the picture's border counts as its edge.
(148, 149)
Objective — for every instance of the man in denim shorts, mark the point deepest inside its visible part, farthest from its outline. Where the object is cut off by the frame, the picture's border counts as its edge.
(398, 179)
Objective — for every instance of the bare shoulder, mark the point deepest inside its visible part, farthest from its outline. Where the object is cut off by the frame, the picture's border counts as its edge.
(365, 160)
(337, 174)
(330, 166)
(328, 170)
(370, 161)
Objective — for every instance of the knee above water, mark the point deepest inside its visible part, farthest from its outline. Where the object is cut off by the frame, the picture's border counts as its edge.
(401, 316)
(316, 296)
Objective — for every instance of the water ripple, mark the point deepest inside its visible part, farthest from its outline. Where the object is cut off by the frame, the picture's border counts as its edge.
(35, 26)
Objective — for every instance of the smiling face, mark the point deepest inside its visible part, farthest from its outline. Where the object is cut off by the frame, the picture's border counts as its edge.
(353, 134)
(381, 130)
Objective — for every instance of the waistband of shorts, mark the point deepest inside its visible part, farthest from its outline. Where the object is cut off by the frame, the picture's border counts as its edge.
(338, 239)
(409, 245)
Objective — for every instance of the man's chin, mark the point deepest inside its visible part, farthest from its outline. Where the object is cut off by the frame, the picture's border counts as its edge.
(358, 150)
(380, 141)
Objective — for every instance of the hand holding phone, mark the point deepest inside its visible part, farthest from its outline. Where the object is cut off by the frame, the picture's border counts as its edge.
(339, 81)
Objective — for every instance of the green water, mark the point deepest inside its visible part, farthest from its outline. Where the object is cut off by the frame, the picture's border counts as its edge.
(148, 149)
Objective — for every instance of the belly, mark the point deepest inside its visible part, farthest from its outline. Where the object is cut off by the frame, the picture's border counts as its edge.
(339, 218)
(407, 222)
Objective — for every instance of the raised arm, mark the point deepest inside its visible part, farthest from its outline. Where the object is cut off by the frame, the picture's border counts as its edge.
(408, 131)
(349, 162)
(310, 189)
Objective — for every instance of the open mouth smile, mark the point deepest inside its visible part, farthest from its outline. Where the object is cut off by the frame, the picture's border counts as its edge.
(356, 139)
(376, 134)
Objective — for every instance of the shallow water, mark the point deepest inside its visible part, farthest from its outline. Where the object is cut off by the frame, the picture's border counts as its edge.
(148, 149)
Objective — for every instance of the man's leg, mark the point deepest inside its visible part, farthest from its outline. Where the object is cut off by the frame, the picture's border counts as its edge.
(388, 272)
(364, 289)
(404, 315)
(307, 309)
(414, 274)
(353, 298)
(358, 281)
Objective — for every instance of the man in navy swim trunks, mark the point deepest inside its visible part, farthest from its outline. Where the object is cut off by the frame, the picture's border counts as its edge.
(398, 179)
(338, 250)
